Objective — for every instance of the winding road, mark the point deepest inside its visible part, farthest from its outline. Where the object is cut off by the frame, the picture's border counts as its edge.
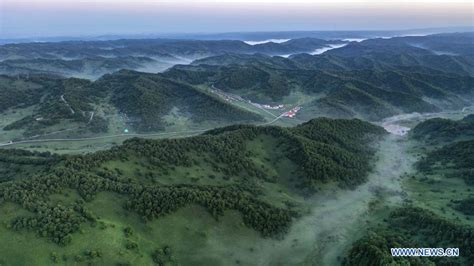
(104, 137)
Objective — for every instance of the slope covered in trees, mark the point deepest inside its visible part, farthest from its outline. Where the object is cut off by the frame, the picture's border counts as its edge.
(372, 79)
(146, 98)
(52, 101)
(372, 94)
(262, 173)
(17, 92)
(93, 59)
(90, 67)
(155, 48)
(444, 130)
(57, 104)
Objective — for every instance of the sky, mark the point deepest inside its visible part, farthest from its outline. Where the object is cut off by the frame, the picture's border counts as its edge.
(46, 18)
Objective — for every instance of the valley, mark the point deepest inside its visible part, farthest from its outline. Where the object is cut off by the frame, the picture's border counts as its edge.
(332, 220)
(300, 151)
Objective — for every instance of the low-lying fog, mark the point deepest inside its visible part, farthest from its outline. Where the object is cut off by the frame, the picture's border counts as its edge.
(266, 41)
(325, 49)
(337, 218)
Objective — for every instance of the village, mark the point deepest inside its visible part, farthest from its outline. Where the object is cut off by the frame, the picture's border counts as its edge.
(229, 97)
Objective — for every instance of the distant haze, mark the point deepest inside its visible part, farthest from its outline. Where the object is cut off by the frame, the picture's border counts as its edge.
(40, 18)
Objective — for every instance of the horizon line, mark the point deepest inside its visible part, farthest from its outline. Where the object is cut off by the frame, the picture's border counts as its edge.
(464, 28)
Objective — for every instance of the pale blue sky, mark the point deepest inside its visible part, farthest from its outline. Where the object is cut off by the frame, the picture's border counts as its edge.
(34, 18)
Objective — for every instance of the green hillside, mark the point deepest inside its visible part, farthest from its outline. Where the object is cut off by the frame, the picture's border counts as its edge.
(79, 107)
(146, 98)
(261, 173)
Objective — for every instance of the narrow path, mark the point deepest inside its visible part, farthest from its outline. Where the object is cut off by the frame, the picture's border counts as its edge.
(90, 118)
(105, 137)
(174, 133)
(35, 140)
(70, 108)
(238, 98)
(274, 120)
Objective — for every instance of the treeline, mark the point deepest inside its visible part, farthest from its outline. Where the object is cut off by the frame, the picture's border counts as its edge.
(58, 222)
(15, 164)
(158, 201)
(18, 156)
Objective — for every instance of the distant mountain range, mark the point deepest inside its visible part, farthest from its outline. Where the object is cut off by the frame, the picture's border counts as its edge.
(96, 58)
(248, 36)
(371, 79)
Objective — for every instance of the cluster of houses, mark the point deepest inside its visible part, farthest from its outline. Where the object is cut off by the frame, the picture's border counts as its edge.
(267, 106)
(292, 112)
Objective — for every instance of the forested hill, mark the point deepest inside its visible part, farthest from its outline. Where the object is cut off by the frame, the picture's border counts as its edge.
(459, 43)
(325, 150)
(260, 172)
(453, 147)
(372, 93)
(147, 98)
(158, 48)
(142, 101)
(439, 130)
(372, 79)
(89, 67)
(92, 59)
